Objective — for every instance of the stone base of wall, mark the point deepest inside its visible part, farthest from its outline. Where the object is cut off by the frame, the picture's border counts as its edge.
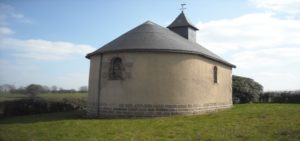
(91, 110)
(152, 110)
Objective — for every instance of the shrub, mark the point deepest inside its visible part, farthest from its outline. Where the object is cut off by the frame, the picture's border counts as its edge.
(37, 106)
(245, 89)
(33, 89)
(76, 103)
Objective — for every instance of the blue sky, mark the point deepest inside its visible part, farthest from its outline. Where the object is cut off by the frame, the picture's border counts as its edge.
(45, 42)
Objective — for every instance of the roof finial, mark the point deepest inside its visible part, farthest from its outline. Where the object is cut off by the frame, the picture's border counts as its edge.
(182, 7)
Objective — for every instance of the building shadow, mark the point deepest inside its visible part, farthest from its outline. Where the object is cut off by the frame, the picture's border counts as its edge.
(61, 116)
(45, 117)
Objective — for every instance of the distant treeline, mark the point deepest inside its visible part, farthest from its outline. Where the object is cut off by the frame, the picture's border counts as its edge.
(280, 97)
(34, 89)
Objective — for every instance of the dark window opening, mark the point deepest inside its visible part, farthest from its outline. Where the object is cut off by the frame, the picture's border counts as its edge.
(215, 74)
(116, 69)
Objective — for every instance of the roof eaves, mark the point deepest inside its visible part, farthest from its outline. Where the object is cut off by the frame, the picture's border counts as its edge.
(163, 50)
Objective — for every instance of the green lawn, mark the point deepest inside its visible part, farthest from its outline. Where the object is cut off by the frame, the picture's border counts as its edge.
(10, 97)
(60, 96)
(47, 96)
(262, 122)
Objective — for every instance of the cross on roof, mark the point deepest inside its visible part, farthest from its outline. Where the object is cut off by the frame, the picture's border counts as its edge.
(182, 7)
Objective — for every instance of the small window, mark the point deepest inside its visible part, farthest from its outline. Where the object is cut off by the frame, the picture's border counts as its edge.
(215, 74)
(116, 69)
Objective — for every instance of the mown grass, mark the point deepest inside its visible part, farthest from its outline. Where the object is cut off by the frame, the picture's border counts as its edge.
(263, 122)
(61, 96)
(46, 96)
(10, 97)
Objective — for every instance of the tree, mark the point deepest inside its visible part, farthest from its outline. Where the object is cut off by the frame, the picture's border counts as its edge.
(7, 88)
(54, 89)
(245, 89)
(20, 90)
(83, 89)
(33, 89)
(46, 89)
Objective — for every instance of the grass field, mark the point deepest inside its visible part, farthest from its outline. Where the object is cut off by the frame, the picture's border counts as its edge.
(263, 122)
(9, 97)
(47, 96)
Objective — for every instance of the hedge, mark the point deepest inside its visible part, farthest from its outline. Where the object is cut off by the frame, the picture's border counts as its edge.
(37, 106)
(280, 97)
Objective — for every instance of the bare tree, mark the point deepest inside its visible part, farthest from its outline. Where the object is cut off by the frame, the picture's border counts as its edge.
(83, 89)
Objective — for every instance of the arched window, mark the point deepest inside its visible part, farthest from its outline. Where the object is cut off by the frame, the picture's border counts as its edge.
(215, 74)
(116, 68)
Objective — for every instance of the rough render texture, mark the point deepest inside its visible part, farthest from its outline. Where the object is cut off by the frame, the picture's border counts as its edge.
(158, 84)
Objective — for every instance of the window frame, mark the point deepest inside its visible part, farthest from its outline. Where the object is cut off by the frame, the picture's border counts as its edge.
(116, 70)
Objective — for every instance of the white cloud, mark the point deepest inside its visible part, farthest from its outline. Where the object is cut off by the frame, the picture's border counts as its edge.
(254, 30)
(5, 31)
(287, 6)
(267, 58)
(260, 44)
(270, 80)
(26, 61)
(43, 49)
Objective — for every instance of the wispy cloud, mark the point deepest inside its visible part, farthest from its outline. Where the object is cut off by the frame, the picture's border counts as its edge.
(44, 50)
(5, 31)
(7, 12)
(25, 61)
(38, 49)
(259, 44)
(287, 6)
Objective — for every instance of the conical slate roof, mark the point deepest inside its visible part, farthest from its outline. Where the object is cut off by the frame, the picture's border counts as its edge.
(182, 21)
(152, 37)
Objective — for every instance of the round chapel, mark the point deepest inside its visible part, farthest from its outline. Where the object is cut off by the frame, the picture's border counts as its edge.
(157, 71)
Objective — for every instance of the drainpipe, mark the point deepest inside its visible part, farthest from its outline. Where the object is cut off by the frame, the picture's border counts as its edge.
(99, 86)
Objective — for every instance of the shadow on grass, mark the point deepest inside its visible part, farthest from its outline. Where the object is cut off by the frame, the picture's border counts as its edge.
(60, 116)
(72, 115)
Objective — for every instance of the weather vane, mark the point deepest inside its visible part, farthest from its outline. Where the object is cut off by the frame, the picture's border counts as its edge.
(182, 7)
